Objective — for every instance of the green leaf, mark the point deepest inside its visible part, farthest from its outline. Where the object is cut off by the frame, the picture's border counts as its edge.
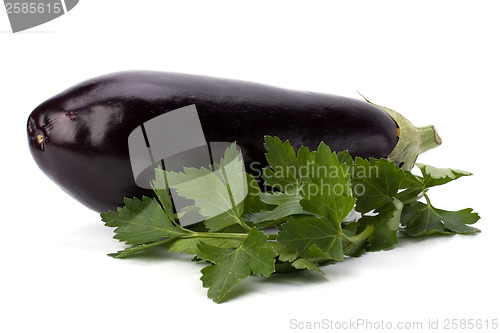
(287, 255)
(253, 202)
(287, 205)
(190, 245)
(141, 221)
(222, 221)
(279, 198)
(303, 263)
(203, 186)
(286, 169)
(231, 265)
(130, 251)
(420, 219)
(282, 159)
(411, 181)
(345, 158)
(284, 254)
(386, 224)
(311, 236)
(328, 189)
(282, 211)
(375, 183)
(413, 188)
(219, 195)
(433, 176)
(232, 169)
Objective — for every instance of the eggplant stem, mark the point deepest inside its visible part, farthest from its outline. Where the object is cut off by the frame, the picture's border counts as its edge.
(412, 140)
(429, 138)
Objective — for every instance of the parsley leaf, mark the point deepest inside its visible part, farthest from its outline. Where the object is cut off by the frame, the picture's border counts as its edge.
(253, 202)
(141, 221)
(375, 183)
(433, 176)
(218, 194)
(311, 236)
(287, 204)
(231, 265)
(134, 249)
(190, 245)
(328, 189)
(386, 225)
(420, 219)
(287, 170)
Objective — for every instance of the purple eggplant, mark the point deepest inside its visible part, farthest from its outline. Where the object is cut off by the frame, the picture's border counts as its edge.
(79, 138)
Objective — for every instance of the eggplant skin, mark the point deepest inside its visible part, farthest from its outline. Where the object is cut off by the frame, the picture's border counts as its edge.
(79, 138)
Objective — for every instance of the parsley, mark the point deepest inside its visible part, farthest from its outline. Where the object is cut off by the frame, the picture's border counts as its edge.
(308, 200)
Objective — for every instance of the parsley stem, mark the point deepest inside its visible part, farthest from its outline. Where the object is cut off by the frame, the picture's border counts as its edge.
(362, 236)
(227, 235)
(271, 223)
(272, 236)
(243, 224)
(239, 220)
(427, 200)
(416, 198)
(224, 235)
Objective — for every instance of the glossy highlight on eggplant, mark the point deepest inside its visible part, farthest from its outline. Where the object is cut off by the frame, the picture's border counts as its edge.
(79, 137)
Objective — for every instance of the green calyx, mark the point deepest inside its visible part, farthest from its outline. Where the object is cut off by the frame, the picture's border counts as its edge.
(412, 141)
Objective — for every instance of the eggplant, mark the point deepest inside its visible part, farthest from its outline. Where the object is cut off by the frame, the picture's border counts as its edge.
(79, 138)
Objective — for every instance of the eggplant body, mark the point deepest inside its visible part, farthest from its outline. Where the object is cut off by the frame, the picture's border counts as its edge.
(79, 138)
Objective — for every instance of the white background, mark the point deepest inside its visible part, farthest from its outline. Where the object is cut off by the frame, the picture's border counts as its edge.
(435, 62)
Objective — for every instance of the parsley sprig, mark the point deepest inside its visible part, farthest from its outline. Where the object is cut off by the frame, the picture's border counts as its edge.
(306, 212)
